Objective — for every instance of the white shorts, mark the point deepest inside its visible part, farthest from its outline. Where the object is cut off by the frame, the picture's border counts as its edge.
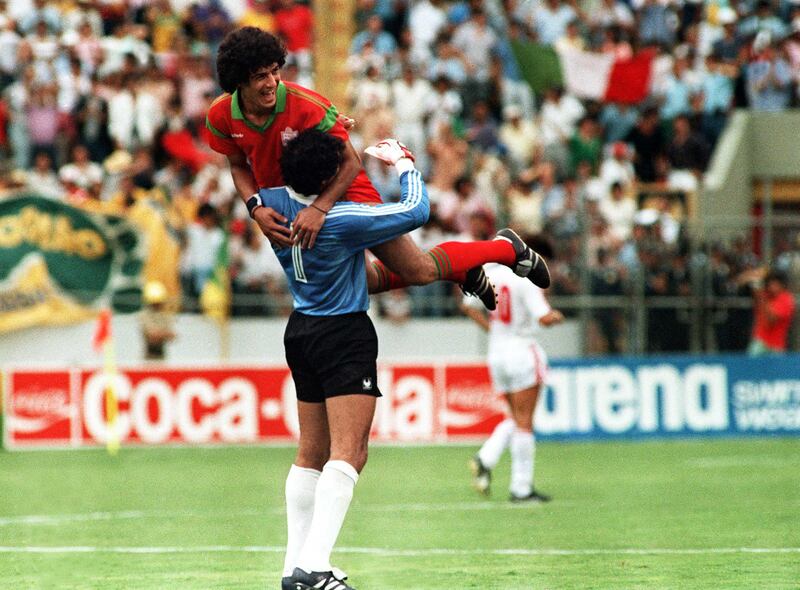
(516, 365)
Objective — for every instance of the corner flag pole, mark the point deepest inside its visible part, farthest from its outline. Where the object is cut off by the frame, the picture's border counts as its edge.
(104, 340)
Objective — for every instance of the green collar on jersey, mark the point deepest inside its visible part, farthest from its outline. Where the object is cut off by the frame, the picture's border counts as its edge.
(280, 106)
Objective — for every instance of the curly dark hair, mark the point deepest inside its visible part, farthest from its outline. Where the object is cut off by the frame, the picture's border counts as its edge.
(310, 160)
(244, 51)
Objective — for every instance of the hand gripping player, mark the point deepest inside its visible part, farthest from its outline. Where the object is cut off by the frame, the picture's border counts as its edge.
(259, 113)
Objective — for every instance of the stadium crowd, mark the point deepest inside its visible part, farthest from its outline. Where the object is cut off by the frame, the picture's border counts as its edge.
(103, 106)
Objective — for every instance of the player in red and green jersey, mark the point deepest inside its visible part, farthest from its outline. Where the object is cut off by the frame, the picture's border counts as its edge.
(259, 113)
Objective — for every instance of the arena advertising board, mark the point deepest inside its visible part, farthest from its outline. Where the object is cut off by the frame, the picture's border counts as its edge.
(627, 398)
(60, 264)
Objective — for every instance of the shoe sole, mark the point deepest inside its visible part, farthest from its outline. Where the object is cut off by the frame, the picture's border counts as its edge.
(540, 274)
(476, 485)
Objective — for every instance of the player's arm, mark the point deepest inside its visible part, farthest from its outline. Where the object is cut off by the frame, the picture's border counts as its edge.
(361, 226)
(309, 221)
(269, 221)
(539, 308)
(551, 318)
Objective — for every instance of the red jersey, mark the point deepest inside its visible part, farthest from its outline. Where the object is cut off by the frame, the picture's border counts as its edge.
(296, 109)
(774, 335)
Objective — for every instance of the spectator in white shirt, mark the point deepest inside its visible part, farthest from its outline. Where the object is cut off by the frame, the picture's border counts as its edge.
(81, 171)
(426, 19)
(520, 137)
(203, 239)
(411, 97)
(619, 210)
(476, 41)
(42, 179)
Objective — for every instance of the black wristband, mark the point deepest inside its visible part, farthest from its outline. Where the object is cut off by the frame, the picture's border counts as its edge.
(253, 203)
(320, 209)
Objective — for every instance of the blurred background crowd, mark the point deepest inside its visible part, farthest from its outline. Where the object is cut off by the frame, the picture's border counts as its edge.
(103, 105)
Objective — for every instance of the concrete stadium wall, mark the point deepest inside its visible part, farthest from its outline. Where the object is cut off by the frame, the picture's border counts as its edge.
(259, 341)
(754, 145)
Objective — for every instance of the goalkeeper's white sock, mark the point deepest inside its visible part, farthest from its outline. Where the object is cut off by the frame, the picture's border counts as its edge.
(522, 450)
(493, 448)
(301, 485)
(333, 495)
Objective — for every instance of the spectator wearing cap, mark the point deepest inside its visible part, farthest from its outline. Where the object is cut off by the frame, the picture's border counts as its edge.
(768, 76)
(727, 47)
(156, 323)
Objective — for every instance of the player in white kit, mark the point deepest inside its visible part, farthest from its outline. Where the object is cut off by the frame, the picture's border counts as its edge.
(518, 367)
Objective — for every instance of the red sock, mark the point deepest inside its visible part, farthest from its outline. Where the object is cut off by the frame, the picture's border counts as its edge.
(387, 280)
(453, 258)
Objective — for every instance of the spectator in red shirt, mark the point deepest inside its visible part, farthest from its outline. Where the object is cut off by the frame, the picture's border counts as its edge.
(774, 312)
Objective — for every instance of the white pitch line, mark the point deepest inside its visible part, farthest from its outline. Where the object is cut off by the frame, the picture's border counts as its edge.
(384, 552)
(57, 519)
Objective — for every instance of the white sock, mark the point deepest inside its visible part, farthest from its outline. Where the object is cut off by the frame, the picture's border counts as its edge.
(493, 448)
(522, 462)
(333, 495)
(301, 484)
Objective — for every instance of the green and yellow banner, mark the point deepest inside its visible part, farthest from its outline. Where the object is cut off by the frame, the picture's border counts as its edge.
(60, 264)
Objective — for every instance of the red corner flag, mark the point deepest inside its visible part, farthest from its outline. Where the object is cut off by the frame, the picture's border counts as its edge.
(102, 331)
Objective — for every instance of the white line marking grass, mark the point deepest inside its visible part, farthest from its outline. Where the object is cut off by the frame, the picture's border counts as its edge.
(385, 552)
(57, 519)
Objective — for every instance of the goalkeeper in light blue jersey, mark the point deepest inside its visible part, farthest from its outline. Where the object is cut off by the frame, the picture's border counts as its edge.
(330, 279)
(331, 344)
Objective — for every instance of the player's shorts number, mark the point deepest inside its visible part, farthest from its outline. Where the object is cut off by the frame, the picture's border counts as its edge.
(297, 262)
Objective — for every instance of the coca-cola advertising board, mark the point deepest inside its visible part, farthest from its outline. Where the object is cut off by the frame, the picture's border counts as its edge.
(228, 405)
(436, 402)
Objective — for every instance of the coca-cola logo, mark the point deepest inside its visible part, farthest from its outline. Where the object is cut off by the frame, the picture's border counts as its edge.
(38, 402)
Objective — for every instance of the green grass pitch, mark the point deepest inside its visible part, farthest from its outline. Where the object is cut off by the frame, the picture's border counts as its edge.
(667, 514)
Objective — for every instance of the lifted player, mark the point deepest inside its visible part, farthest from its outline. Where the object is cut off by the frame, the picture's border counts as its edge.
(259, 113)
(518, 366)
